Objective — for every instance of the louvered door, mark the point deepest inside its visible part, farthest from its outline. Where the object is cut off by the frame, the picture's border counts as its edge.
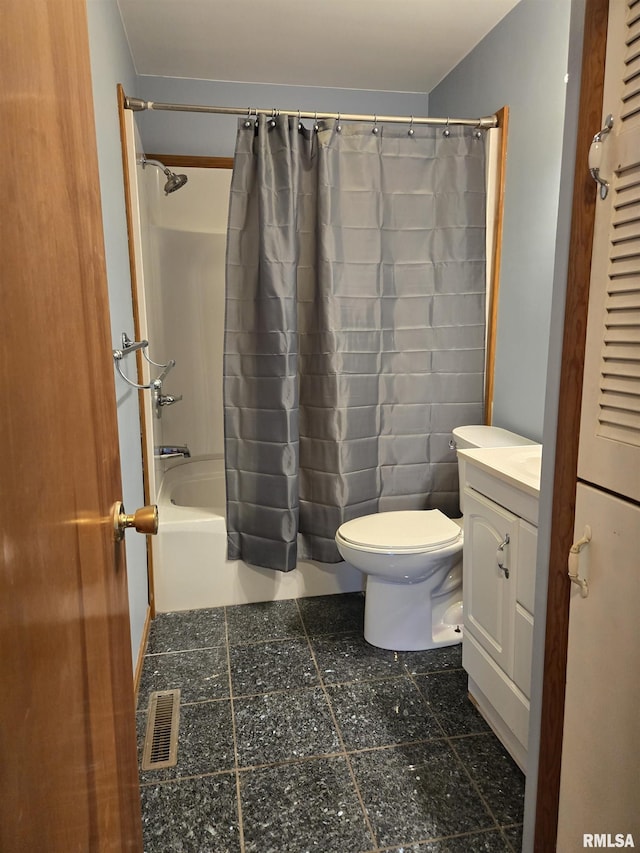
(610, 424)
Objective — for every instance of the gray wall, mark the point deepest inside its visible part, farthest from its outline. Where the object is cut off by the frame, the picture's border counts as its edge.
(111, 64)
(215, 136)
(521, 63)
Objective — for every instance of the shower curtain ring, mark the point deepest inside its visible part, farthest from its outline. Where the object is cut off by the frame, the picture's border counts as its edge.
(411, 130)
(316, 126)
(375, 128)
(338, 125)
(299, 121)
(478, 133)
(446, 132)
(248, 119)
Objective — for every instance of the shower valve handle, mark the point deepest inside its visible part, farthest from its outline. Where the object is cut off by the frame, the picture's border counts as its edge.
(168, 399)
(160, 399)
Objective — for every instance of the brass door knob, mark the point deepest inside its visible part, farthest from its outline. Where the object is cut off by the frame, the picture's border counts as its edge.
(145, 520)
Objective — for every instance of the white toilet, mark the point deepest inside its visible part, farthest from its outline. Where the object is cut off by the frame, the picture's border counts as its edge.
(413, 563)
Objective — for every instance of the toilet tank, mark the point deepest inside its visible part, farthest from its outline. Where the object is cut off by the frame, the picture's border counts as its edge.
(481, 435)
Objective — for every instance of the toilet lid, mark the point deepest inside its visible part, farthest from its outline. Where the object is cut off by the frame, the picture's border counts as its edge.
(405, 530)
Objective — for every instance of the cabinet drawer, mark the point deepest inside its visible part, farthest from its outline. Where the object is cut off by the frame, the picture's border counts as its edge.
(523, 643)
(522, 503)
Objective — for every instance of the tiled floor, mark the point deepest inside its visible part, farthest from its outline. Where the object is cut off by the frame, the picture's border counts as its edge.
(296, 735)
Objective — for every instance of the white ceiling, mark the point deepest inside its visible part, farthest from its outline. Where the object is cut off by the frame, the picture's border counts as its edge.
(386, 45)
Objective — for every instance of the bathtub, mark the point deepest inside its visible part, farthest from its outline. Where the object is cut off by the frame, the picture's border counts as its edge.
(190, 566)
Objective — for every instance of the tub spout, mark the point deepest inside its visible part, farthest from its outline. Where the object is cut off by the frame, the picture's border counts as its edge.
(166, 451)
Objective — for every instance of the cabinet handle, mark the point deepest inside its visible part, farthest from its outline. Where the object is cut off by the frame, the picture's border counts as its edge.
(574, 562)
(500, 555)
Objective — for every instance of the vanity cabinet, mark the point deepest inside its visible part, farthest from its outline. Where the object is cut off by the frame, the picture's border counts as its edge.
(499, 561)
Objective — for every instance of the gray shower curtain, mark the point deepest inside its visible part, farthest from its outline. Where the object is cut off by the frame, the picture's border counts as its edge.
(355, 328)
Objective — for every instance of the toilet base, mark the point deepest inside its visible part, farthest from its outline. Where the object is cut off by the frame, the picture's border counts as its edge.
(405, 617)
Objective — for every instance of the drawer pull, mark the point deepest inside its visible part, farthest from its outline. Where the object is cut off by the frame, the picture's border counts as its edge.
(500, 555)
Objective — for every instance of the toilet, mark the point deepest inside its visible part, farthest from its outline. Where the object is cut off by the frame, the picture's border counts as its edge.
(413, 563)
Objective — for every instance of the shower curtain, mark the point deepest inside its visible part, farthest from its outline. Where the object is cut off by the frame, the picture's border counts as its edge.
(354, 329)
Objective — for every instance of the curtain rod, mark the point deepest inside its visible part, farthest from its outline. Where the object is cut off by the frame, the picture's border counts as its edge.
(137, 104)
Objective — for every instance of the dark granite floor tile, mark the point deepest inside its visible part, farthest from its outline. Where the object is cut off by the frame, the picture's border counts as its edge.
(267, 620)
(513, 834)
(200, 675)
(304, 806)
(329, 614)
(433, 660)
(478, 842)
(380, 713)
(205, 742)
(418, 792)
(191, 816)
(141, 728)
(348, 657)
(446, 693)
(280, 726)
(189, 629)
(498, 777)
(265, 667)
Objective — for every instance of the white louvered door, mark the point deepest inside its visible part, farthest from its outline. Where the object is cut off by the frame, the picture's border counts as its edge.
(610, 424)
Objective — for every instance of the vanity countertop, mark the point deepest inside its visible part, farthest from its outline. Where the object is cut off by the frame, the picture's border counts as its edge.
(518, 466)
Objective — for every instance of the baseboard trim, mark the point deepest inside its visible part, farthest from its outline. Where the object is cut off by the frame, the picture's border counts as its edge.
(141, 652)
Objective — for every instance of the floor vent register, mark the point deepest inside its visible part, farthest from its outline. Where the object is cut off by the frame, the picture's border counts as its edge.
(161, 739)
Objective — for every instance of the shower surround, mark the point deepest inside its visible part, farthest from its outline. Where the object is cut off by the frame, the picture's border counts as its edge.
(182, 245)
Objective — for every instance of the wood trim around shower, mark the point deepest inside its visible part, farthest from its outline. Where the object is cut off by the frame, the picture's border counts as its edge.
(151, 610)
(186, 161)
(494, 284)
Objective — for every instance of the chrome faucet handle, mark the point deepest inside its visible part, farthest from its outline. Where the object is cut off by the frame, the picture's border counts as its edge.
(452, 444)
(160, 399)
(168, 399)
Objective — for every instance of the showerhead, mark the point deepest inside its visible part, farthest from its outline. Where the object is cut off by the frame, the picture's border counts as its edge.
(174, 182)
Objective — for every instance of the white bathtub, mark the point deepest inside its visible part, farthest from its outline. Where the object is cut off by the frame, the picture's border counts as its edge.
(190, 566)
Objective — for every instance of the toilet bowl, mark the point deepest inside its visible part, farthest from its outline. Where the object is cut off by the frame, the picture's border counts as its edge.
(413, 563)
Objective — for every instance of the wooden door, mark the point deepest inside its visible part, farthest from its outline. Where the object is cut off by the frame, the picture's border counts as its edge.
(67, 731)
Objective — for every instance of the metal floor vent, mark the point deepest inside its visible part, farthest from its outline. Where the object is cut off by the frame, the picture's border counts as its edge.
(161, 739)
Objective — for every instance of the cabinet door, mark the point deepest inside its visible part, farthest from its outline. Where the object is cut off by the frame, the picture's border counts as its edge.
(490, 537)
(601, 743)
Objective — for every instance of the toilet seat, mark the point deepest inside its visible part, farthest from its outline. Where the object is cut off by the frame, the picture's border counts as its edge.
(401, 532)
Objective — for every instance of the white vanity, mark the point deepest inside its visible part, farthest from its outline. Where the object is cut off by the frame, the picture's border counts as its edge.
(502, 487)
